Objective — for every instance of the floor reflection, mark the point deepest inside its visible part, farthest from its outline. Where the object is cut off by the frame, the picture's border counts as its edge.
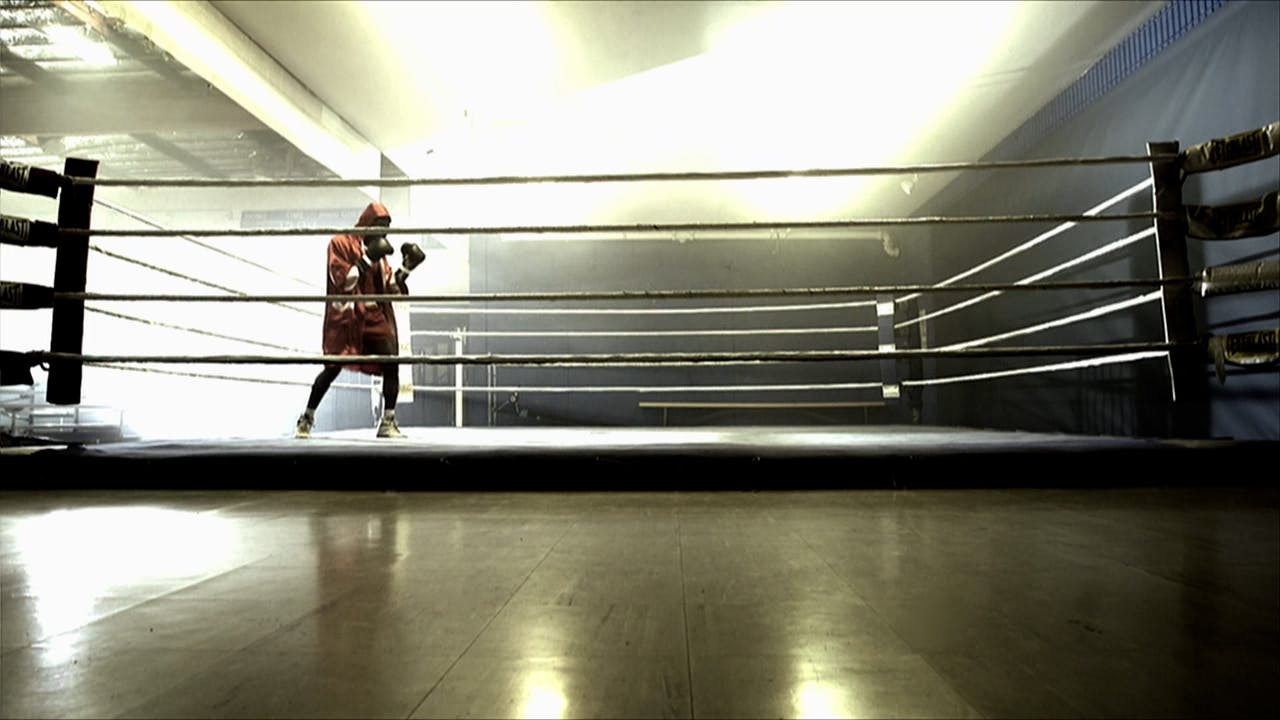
(73, 559)
(818, 699)
(543, 695)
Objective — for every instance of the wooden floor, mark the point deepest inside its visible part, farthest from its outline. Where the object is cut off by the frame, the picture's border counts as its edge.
(999, 603)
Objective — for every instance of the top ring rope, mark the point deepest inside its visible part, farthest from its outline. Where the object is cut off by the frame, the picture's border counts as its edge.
(624, 177)
(640, 294)
(635, 228)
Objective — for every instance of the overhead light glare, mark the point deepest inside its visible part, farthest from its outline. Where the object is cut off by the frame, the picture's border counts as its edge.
(74, 41)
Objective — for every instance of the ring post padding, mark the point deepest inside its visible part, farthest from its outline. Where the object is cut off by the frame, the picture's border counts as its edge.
(1254, 218)
(1231, 151)
(890, 388)
(27, 179)
(1186, 369)
(67, 332)
(1240, 278)
(21, 231)
(1256, 347)
(25, 296)
(911, 336)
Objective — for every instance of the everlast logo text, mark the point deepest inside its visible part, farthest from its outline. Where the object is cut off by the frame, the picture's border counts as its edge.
(14, 175)
(10, 294)
(1255, 347)
(1238, 147)
(14, 229)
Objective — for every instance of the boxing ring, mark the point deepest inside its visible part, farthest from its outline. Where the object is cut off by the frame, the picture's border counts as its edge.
(885, 440)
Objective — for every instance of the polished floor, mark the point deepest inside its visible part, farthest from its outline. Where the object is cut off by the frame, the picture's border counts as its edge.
(1129, 602)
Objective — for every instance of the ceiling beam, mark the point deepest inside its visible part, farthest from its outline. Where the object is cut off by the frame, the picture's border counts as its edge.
(26, 68)
(115, 106)
(173, 152)
(107, 30)
(207, 43)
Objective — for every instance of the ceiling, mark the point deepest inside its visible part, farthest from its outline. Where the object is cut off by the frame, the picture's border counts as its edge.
(441, 88)
(72, 83)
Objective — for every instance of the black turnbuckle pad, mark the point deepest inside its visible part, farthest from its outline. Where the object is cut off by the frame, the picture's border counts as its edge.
(1230, 222)
(1230, 151)
(25, 296)
(1259, 347)
(27, 179)
(15, 368)
(21, 231)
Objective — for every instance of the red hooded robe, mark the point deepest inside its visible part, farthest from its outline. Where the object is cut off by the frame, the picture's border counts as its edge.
(348, 324)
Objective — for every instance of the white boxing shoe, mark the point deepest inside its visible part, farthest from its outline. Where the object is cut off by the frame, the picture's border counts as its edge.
(389, 429)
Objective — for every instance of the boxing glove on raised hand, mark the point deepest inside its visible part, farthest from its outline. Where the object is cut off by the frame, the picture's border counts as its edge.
(413, 257)
(376, 247)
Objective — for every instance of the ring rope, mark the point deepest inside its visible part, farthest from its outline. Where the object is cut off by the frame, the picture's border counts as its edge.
(211, 376)
(148, 221)
(627, 177)
(810, 291)
(421, 310)
(648, 333)
(663, 294)
(1096, 209)
(477, 389)
(1086, 315)
(633, 228)
(623, 359)
(157, 323)
(1055, 367)
(826, 387)
(181, 276)
(445, 390)
(1033, 280)
(164, 271)
(645, 389)
(1072, 365)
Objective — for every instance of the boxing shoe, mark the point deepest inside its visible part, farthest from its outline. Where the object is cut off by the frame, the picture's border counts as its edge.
(303, 430)
(389, 429)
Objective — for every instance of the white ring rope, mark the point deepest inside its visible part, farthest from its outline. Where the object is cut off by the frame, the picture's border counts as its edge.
(431, 310)
(1055, 367)
(645, 333)
(211, 376)
(198, 331)
(1109, 202)
(629, 177)
(648, 388)
(449, 389)
(1086, 315)
(1092, 255)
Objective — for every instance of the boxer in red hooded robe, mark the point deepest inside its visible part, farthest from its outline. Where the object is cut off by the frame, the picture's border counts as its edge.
(358, 265)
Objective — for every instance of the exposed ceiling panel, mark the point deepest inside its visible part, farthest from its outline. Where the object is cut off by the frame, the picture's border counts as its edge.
(75, 83)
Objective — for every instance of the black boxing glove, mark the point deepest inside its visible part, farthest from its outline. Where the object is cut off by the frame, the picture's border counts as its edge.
(376, 247)
(413, 257)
